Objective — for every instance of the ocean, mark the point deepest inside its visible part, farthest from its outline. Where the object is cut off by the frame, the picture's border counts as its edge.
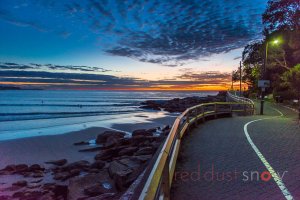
(26, 113)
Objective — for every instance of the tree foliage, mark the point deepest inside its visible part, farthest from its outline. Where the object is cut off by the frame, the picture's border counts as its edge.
(281, 15)
(291, 79)
(281, 22)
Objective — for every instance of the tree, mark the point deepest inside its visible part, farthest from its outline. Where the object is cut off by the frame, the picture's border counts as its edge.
(281, 15)
(291, 79)
(252, 58)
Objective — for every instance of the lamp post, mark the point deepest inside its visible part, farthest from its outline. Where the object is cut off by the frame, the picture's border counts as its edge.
(240, 78)
(262, 101)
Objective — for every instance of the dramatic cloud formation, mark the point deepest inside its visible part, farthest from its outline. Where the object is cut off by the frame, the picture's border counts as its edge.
(35, 76)
(33, 66)
(169, 32)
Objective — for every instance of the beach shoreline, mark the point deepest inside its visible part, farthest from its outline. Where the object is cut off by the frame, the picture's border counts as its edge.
(39, 149)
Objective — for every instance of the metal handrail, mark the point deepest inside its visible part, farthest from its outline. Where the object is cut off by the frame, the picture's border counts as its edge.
(239, 99)
(159, 181)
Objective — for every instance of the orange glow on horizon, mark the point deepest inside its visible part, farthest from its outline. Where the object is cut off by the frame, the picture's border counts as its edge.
(204, 87)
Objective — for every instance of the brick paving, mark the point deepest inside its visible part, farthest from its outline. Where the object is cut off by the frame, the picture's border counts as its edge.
(222, 145)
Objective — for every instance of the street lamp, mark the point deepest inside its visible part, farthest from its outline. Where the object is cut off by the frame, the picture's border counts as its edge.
(275, 42)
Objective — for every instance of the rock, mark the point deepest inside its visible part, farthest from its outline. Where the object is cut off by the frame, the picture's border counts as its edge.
(78, 184)
(57, 162)
(81, 143)
(179, 105)
(117, 167)
(21, 168)
(108, 153)
(5, 197)
(155, 145)
(36, 167)
(76, 165)
(153, 130)
(98, 164)
(124, 178)
(120, 179)
(106, 196)
(126, 165)
(60, 191)
(145, 151)
(129, 162)
(22, 183)
(167, 127)
(75, 172)
(142, 158)
(37, 181)
(111, 141)
(137, 140)
(93, 149)
(48, 196)
(9, 168)
(48, 186)
(62, 176)
(142, 132)
(154, 105)
(38, 174)
(28, 195)
(150, 107)
(101, 138)
(127, 151)
(96, 189)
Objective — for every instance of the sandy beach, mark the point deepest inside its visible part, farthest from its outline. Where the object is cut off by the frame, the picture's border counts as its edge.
(37, 150)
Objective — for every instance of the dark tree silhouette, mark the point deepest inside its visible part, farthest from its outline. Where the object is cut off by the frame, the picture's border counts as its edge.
(281, 15)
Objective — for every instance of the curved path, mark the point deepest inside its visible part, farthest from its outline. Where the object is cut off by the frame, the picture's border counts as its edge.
(254, 157)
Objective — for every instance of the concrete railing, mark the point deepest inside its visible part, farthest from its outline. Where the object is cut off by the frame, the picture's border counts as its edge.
(159, 174)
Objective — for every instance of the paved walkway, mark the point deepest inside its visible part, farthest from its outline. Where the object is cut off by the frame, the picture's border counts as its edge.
(217, 160)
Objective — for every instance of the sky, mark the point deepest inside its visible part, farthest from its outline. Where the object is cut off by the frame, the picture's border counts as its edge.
(130, 45)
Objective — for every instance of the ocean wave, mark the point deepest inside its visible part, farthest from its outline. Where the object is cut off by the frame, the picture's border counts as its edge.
(51, 115)
(70, 105)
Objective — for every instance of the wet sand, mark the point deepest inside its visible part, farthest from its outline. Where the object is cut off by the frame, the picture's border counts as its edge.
(37, 150)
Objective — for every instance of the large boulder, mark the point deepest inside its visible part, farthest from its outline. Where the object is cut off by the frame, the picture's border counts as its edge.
(112, 141)
(97, 189)
(122, 166)
(101, 138)
(82, 187)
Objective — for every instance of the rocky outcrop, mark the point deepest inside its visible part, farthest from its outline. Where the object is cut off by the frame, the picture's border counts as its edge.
(102, 138)
(119, 160)
(180, 105)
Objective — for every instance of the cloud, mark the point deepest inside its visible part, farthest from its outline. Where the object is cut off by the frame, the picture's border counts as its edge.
(45, 67)
(8, 17)
(216, 77)
(33, 76)
(169, 32)
(174, 32)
